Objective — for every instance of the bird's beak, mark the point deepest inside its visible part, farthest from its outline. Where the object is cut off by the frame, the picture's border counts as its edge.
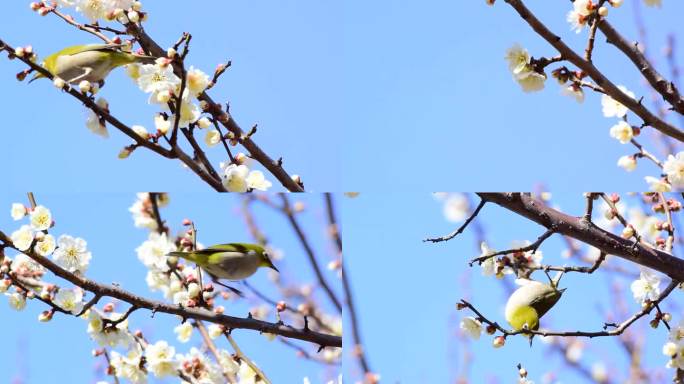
(562, 290)
(35, 77)
(273, 267)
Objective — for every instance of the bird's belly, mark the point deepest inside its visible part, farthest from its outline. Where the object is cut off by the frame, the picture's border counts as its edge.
(98, 65)
(233, 271)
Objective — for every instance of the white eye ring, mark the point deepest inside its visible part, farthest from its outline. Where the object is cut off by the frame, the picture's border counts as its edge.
(251, 252)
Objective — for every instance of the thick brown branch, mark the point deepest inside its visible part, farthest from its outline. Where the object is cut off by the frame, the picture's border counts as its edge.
(601, 80)
(535, 210)
(274, 167)
(175, 153)
(665, 88)
(229, 322)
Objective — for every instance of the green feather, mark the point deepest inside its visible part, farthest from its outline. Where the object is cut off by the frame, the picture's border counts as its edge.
(118, 57)
(211, 255)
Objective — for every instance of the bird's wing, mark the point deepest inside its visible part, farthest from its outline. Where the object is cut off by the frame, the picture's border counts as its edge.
(226, 256)
(89, 47)
(545, 301)
(229, 247)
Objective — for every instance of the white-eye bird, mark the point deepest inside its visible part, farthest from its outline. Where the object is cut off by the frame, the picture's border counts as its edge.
(91, 62)
(530, 302)
(233, 261)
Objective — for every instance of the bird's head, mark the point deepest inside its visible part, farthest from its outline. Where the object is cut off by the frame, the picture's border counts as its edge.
(265, 260)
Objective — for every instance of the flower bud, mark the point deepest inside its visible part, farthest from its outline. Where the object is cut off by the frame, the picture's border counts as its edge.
(43, 11)
(297, 179)
(140, 131)
(603, 11)
(35, 6)
(171, 53)
(667, 317)
(204, 122)
(133, 16)
(193, 289)
(670, 349)
(628, 163)
(4, 285)
(84, 86)
(59, 83)
(628, 232)
(281, 306)
(499, 342)
(45, 316)
(137, 6)
(615, 198)
(19, 52)
(124, 153)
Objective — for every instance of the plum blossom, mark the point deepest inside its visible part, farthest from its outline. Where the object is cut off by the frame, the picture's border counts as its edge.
(153, 251)
(72, 254)
(22, 238)
(646, 288)
(674, 169)
(612, 107)
(471, 327)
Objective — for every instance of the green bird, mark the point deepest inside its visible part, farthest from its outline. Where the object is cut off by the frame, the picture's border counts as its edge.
(91, 62)
(233, 261)
(530, 302)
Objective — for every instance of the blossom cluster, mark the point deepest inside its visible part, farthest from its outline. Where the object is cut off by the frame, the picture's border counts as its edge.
(124, 11)
(524, 72)
(164, 86)
(509, 263)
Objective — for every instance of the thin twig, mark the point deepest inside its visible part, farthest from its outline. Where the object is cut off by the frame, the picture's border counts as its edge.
(461, 228)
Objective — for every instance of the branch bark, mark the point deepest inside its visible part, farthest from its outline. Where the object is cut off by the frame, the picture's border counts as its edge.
(535, 210)
(665, 88)
(230, 322)
(601, 80)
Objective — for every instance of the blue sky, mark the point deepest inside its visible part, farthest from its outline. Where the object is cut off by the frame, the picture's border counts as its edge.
(285, 78)
(406, 293)
(434, 106)
(59, 351)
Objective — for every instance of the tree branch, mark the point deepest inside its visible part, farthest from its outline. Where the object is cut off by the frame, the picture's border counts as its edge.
(667, 89)
(601, 80)
(229, 322)
(535, 210)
